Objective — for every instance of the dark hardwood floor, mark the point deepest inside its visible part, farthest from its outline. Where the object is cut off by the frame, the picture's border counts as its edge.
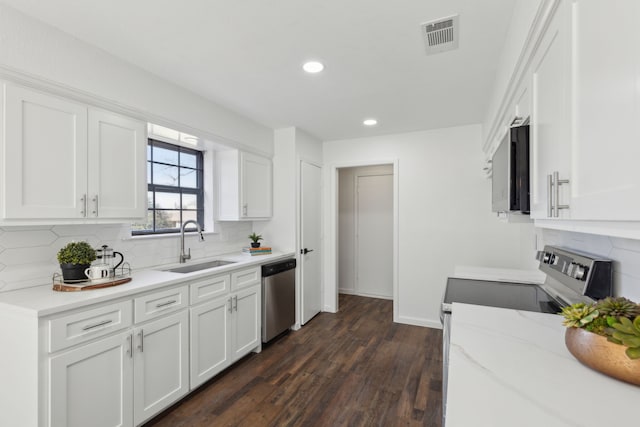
(353, 368)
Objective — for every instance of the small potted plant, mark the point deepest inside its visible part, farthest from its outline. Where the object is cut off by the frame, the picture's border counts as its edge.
(74, 259)
(605, 336)
(255, 240)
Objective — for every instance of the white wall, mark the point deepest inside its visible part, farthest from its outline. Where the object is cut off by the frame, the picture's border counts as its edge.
(280, 232)
(346, 222)
(290, 146)
(31, 48)
(444, 213)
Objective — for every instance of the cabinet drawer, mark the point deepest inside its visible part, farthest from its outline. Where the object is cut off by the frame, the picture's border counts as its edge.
(209, 288)
(160, 303)
(83, 326)
(245, 278)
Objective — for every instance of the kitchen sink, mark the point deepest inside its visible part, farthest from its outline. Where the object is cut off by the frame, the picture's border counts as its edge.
(202, 266)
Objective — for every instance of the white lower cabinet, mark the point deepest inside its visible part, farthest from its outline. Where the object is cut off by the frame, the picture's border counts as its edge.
(246, 321)
(222, 331)
(92, 385)
(161, 368)
(210, 339)
(123, 379)
(121, 362)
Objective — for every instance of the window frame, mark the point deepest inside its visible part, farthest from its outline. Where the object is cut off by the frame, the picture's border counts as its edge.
(152, 188)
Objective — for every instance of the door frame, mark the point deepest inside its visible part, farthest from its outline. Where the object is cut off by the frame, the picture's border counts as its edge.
(298, 236)
(330, 283)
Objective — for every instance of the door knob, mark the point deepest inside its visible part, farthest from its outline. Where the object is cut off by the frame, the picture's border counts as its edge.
(305, 251)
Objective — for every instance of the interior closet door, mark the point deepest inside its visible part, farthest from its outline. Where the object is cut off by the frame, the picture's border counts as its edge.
(374, 235)
(310, 240)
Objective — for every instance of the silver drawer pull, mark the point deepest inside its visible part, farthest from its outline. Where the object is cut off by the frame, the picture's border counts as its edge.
(104, 322)
(164, 304)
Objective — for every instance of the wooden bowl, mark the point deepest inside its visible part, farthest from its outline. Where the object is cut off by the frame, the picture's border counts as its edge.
(597, 353)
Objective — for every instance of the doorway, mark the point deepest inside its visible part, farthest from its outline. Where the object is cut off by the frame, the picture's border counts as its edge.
(366, 231)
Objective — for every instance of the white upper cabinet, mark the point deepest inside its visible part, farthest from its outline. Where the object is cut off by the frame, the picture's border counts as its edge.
(550, 142)
(64, 160)
(244, 186)
(45, 156)
(606, 139)
(117, 166)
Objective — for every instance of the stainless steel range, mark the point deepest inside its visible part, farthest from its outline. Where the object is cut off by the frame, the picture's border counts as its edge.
(571, 277)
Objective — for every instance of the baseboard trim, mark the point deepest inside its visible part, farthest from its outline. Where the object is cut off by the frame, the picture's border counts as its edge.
(415, 321)
(359, 294)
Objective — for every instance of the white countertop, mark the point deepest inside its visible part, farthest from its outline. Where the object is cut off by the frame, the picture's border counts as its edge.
(43, 300)
(511, 368)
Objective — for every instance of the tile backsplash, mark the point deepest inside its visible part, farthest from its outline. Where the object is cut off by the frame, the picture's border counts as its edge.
(625, 254)
(28, 254)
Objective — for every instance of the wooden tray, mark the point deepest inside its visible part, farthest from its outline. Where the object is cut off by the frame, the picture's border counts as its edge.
(63, 287)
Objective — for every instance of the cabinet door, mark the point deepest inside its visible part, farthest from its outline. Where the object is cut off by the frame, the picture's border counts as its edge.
(255, 184)
(45, 155)
(246, 327)
(117, 166)
(161, 374)
(550, 119)
(605, 175)
(210, 339)
(92, 385)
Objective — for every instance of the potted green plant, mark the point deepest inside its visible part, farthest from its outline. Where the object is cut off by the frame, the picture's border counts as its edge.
(255, 240)
(605, 336)
(74, 259)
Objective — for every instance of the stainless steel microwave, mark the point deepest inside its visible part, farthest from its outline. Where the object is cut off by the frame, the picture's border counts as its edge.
(510, 172)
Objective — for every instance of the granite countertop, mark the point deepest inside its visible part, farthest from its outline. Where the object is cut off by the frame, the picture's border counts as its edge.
(511, 368)
(42, 301)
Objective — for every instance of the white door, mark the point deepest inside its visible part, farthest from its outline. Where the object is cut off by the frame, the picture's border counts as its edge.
(117, 166)
(246, 322)
(374, 235)
(45, 156)
(210, 339)
(550, 119)
(161, 373)
(255, 184)
(92, 385)
(605, 178)
(310, 235)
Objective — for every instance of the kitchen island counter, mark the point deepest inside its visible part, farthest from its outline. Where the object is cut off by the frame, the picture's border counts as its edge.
(511, 368)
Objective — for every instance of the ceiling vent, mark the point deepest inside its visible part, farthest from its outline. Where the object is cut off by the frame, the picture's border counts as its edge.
(440, 35)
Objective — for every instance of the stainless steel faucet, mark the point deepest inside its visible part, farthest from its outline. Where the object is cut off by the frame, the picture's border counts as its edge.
(184, 257)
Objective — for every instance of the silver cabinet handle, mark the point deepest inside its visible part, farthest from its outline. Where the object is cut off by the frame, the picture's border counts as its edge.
(230, 305)
(95, 325)
(549, 196)
(244, 209)
(130, 338)
(165, 304)
(557, 182)
(235, 302)
(141, 346)
(95, 209)
(83, 199)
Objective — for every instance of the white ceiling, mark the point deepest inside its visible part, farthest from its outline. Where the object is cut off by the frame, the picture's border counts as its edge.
(247, 55)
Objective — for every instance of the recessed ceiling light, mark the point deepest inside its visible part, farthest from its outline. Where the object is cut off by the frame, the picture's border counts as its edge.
(370, 122)
(313, 67)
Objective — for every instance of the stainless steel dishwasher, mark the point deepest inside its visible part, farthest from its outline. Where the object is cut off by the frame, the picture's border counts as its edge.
(278, 298)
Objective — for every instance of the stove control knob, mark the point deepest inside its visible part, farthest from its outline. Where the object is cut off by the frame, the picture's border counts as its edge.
(546, 257)
(579, 272)
(553, 259)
